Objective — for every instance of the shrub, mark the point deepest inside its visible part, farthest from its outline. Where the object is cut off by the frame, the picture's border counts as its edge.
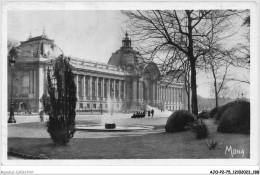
(213, 112)
(178, 120)
(60, 104)
(204, 114)
(234, 117)
(200, 129)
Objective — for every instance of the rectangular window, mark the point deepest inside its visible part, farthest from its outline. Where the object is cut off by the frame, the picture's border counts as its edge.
(93, 88)
(99, 88)
(81, 106)
(122, 90)
(117, 89)
(80, 86)
(25, 85)
(105, 89)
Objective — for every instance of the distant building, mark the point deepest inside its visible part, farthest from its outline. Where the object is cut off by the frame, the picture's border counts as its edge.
(126, 79)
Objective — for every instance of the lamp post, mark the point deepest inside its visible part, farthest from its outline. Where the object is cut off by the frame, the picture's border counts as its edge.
(11, 116)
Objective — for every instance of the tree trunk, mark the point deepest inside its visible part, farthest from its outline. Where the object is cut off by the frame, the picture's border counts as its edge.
(215, 85)
(192, 60)
(216, 93)
(194, 102)
(188, 100)
(189, 90)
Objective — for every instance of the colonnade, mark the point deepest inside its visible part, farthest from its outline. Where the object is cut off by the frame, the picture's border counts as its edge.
(99, 88)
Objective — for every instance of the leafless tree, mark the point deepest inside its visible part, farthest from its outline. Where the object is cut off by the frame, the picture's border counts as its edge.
(217, 61)
(12, 43)
(241, 52)
(237, 92)
(192, 32)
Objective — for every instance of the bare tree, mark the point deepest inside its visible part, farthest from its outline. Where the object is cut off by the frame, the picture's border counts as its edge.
(191, 32)
(217, 62)
(237, 92)
(12, 43)
(242, 52)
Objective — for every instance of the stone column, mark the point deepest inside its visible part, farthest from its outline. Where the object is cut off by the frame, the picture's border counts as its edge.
(178, 95)
(167, 94)
(140, 89)
(77, 85)
(31, 82)
(153, 94)
(103, 88)
(163, 93)
(124, 93)
(119, 89)
(41, 86)
(134, 89)
(34, 81)
(90, 88)
(96, 88)
(157, 91)
(160, 92)
(174, 95)
(113, 87)
(171, 95)
(108, 88)
(84, 88)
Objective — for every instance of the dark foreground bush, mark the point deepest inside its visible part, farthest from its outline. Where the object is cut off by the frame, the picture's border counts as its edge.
(204, 114)
(178, 120)
(200, 129)
(233, 117)
(213, 112)
(60, 101)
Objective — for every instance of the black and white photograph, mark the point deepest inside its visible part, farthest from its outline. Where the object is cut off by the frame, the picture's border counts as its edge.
(130, 83)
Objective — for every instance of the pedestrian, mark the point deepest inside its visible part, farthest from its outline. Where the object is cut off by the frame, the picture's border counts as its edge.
(42, 116)
(149, 113)
(152, 111)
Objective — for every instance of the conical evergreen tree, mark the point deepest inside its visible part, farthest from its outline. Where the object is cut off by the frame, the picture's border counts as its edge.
(60, 101)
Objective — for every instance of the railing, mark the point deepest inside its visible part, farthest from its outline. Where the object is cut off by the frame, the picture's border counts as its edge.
(87, 64)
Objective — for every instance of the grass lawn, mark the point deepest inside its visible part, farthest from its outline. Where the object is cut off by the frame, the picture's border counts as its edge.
(33, 139)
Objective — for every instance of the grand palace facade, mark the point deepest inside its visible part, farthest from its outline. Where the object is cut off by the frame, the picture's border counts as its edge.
(126, 79)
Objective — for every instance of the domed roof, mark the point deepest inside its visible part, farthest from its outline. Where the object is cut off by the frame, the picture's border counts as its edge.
(126, 57)
(40, 46)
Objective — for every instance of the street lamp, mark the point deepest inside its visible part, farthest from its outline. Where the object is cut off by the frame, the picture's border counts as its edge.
(11, 117)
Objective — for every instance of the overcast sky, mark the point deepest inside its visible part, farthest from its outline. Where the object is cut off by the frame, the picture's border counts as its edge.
(91, 35)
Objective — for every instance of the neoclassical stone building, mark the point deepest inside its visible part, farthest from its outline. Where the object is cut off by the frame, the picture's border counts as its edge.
(126, 79)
